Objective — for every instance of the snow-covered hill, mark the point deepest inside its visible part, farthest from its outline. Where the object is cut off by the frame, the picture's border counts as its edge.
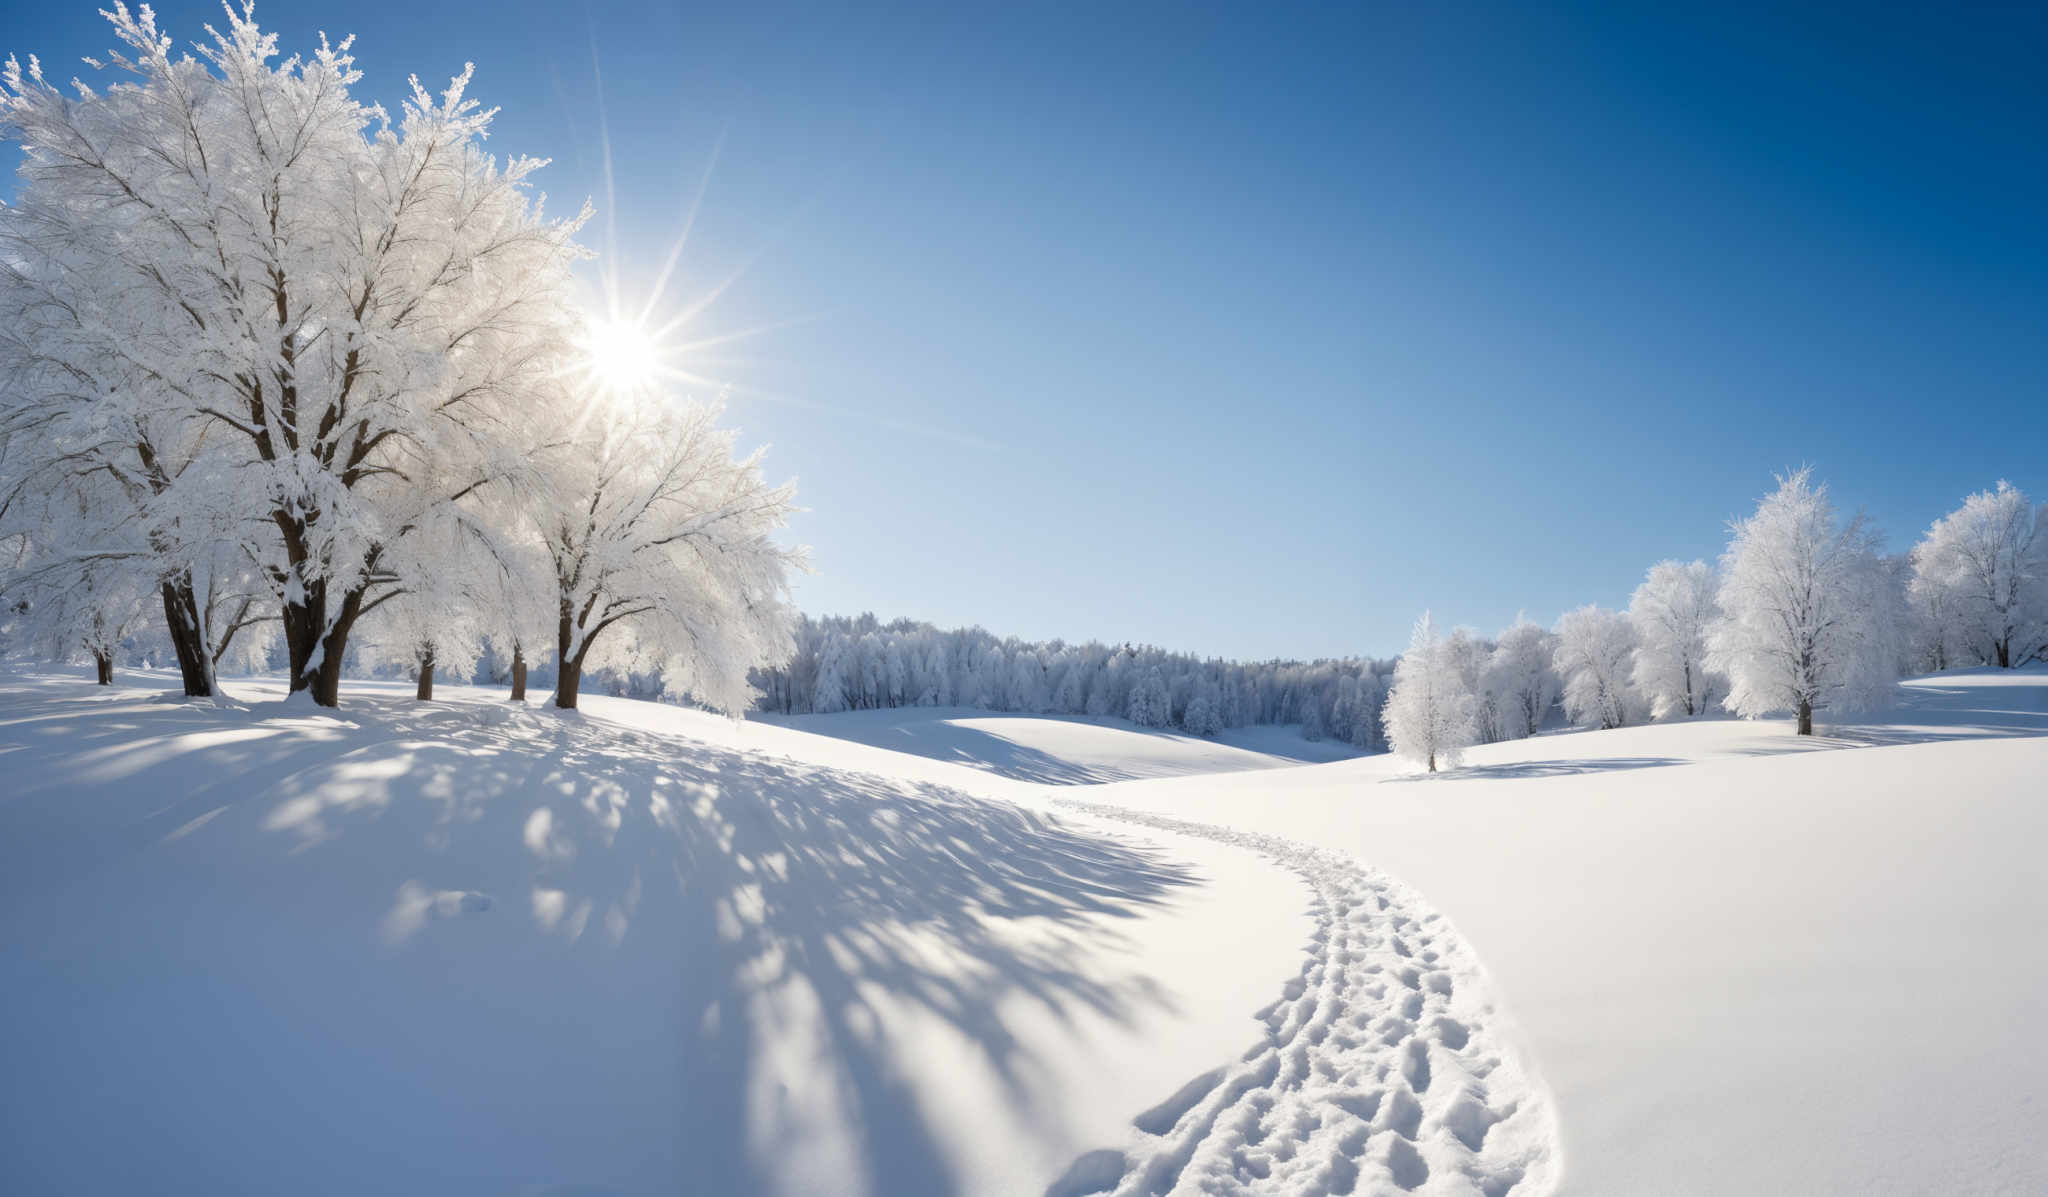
(1066, 751)
(467, 947)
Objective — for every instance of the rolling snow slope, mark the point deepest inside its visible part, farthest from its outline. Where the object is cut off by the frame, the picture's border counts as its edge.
(475, 948)
(464, 947)
(1745, 963)
(1060, 751)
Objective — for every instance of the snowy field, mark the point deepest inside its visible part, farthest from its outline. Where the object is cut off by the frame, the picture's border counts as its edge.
(465, 947)
(1066, 751)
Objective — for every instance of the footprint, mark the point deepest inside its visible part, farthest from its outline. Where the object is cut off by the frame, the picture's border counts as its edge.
(1402, 1114)
(1415, 1065)
(1162, 1117)
(1468, 1120)
(1093, 1172)
(1405, 1165)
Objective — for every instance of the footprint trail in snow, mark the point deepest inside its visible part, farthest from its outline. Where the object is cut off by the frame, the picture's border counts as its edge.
(1379, 1071)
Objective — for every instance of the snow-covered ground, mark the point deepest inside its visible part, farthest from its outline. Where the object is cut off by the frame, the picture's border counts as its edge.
(1742, 962)
(1062, 751)
(466, 947)
(463, 947)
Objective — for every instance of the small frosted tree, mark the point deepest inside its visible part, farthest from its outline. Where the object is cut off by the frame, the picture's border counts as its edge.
(1151, 704)
(1469, 655)
(1428, 713)
(664, 553)
(1312, 720)
(1521, 677)
(1809, 615)
(1980, 576)
(1671, 613)
(1364, 732)
(1595, 652)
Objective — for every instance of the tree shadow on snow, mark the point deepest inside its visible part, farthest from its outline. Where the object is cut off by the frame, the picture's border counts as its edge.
(941, 735)
(412, 906)
(1566, 768)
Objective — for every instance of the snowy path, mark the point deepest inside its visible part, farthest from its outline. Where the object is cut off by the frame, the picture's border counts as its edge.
(1383, 1068)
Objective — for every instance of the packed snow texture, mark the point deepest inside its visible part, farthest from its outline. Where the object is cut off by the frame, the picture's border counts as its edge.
(1379, 1068)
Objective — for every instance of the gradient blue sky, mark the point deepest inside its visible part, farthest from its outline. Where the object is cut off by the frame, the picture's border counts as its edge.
(1253, 331)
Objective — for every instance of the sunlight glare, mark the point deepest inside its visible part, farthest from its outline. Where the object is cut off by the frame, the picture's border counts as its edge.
(622, 356)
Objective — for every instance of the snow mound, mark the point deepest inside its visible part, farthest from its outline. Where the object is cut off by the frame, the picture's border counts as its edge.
(1054, 750)
(1382, 1067)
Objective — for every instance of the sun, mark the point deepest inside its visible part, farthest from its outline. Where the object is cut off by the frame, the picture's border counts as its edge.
(623, 356)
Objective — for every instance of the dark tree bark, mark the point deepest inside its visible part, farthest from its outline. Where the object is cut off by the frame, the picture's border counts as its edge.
(103, 666)
(325, 681)
(181, 619)
(425, 692)
(518, 674)
(569, 673)
(1805, 717)
(570, 682)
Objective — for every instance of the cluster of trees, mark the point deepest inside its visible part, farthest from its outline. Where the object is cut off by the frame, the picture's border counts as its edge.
(1803, 612)
(274, 365)
(843, 664)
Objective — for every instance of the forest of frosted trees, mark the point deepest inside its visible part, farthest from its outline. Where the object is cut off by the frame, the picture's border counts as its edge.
(1802, 613)
(846, 664)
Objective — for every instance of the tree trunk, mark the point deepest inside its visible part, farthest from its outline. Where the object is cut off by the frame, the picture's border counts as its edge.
(181, 620)
(518, 674)
(303, 622)
(1432, 761)
(103, 666)
(2004, 648)
(326, 680)
(425, 692)
(569, 682)
(569, 669)
(1805, 717)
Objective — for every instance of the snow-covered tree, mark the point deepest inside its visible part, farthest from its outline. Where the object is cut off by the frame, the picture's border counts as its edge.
(1671, 612)
(665, 557)
(1429, 712)
(1809, 613)
(1594, 654)
(1364, 731)
(1312, 720)
(435, 624)
(90, 609)
(1980, 576)
(1522, 678)
(1202, 717)
(1468, 654)
(352, 312)
(1151, 704)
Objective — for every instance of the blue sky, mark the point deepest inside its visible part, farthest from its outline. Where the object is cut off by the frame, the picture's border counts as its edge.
(1253, 331)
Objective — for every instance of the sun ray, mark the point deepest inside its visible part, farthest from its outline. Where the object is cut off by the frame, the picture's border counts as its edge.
(611, 198)
(675, 252)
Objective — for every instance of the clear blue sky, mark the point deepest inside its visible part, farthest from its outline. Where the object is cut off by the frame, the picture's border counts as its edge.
(1252, 332)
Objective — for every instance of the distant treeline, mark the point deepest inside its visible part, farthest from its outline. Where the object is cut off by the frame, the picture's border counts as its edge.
(859, 663)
